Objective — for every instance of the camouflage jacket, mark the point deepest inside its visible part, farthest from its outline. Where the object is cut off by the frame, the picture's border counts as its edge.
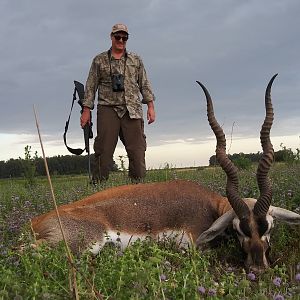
(135, 83)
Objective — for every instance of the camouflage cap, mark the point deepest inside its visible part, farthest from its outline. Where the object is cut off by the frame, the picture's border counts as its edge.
(119, 27)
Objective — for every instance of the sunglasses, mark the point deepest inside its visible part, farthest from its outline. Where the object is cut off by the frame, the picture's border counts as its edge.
(119, 37)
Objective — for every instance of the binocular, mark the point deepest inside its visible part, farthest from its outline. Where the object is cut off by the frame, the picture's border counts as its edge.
(117, 81)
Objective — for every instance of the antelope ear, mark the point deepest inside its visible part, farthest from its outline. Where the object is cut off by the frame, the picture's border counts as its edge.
(216, 228)
(284, 215)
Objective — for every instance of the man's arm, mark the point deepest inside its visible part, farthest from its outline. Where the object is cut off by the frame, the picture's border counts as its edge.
(146, 91)
(90, 92)
(150, 112)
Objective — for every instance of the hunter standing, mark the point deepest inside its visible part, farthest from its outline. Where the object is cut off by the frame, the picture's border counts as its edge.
(120, 78)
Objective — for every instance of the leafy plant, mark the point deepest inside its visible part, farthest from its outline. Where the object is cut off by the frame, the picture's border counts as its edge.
(242, 162)
(29, 166)
(287, 155)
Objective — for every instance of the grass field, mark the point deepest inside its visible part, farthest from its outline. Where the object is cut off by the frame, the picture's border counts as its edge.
(145, 270)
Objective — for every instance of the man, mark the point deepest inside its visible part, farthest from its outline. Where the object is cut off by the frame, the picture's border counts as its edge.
(120, 78)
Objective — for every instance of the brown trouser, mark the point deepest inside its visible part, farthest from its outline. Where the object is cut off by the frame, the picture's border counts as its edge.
(131, 132)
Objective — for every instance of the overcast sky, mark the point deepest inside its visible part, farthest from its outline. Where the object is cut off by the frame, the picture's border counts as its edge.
(234, 47)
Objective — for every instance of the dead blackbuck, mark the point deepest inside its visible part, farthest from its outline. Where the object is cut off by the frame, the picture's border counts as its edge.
(184, 209)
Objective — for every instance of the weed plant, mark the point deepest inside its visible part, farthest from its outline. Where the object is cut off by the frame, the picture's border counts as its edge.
(148, 269)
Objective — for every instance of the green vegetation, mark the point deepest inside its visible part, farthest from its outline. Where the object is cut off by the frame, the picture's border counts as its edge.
(243, 160)
(288, 155)
(32, 166)
(29, 167)
(145, 270)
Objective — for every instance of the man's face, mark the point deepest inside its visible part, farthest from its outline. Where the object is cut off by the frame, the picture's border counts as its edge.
(119, 40)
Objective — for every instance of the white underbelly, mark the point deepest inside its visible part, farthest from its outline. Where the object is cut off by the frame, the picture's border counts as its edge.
(123, 239)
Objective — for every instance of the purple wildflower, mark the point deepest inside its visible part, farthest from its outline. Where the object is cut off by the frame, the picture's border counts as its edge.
(201, 290)
(163, 277)
(277, 281)
(278, 297)
(251, 276)
(290, 193)
(212, 292)
(297, 277)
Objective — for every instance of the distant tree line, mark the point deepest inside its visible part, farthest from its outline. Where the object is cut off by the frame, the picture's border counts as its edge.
(33, 166)
(242, 160)
(58, 165)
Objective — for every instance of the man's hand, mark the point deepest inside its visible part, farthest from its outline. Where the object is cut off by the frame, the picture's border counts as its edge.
(85, 117)
(150, 112)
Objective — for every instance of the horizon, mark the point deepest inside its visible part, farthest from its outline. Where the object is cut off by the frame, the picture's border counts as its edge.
(184, 157)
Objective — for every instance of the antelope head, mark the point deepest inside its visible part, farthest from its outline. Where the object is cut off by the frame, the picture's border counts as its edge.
(252, 219)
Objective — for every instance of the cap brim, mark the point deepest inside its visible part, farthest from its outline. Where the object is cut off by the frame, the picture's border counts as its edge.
(119, 31)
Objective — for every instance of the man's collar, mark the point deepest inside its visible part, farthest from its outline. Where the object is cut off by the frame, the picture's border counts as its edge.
(125, 54)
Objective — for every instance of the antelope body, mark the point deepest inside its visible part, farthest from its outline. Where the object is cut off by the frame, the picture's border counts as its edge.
(135, 211)
(183, 209)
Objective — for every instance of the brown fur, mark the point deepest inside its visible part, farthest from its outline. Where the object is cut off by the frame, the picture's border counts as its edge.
(149, 208)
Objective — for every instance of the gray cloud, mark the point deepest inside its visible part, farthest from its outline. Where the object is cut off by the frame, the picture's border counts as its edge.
(233, 47)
